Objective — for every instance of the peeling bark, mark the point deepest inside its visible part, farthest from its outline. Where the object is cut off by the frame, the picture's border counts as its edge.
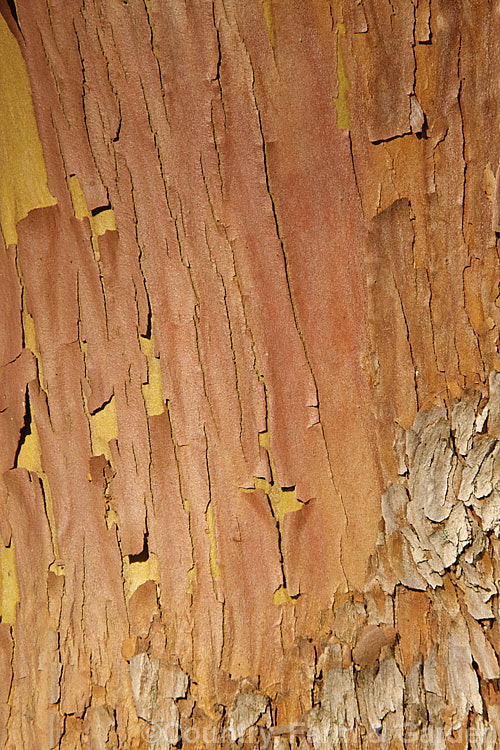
(249, 401)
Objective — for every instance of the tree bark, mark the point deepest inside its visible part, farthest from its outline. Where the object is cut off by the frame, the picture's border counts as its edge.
(249, 404)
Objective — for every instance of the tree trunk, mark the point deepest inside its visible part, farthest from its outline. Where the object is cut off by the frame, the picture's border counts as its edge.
(250, 408)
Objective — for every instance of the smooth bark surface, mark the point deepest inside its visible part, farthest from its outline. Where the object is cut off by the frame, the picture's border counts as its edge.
(249, 408)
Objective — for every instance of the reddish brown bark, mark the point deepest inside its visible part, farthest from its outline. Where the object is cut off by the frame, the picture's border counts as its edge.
(246, 244)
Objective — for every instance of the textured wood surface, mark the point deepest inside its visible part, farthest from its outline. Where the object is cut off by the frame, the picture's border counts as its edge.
(248, 318)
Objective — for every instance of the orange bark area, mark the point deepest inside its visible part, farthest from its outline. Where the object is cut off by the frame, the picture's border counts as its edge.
(273, 222)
